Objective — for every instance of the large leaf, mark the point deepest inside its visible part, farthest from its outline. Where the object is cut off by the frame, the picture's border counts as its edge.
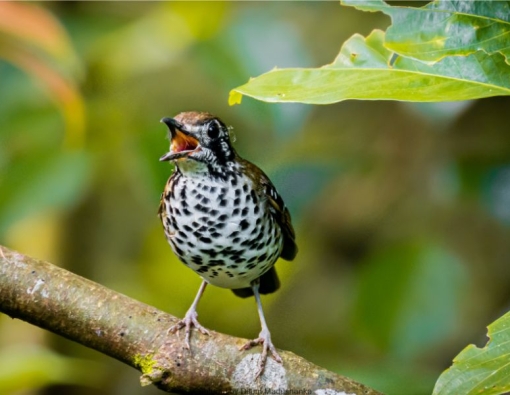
(364, 70)
(481, 370)
(444, 28)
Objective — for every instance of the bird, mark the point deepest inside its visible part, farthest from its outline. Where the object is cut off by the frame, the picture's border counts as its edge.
(223, 218)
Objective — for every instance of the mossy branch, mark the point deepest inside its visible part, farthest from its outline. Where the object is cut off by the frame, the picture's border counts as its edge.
(137, 334)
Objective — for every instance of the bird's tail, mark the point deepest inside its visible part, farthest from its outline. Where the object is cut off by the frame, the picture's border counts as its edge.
(269, 283)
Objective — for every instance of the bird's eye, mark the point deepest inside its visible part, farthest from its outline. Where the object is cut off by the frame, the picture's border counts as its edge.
(213, 130)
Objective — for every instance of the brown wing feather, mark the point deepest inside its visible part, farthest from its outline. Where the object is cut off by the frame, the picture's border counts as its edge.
(276, 206)
(282, 216)
(269, 281)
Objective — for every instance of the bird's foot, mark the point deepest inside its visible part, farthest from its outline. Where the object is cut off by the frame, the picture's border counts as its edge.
(267, 345)
(189, 320)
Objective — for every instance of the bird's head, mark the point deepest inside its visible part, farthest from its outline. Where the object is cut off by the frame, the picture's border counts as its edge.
(198, 137)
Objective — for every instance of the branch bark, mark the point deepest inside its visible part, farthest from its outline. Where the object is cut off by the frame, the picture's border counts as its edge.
(137, 334)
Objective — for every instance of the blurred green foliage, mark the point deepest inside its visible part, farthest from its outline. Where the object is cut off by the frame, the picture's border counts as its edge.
(400, 209)
(31, 367)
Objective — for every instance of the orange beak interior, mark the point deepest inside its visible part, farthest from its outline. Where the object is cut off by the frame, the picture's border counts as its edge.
(183, 142)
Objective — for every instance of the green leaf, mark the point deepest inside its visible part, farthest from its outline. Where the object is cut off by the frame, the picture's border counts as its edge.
(364, 70)
(444, 28)
(481, 370)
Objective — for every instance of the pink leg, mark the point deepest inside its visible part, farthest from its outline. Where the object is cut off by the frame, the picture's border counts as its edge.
(264, 335)
(190, 319)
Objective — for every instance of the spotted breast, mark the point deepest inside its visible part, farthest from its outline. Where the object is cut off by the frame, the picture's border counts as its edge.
(222, 228)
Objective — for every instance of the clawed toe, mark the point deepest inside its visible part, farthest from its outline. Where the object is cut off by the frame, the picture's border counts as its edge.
(189, 321)
(267, 345)
(175, 328)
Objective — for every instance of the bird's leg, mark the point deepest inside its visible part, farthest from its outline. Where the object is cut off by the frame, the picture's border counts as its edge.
(190, 319)
(264, 335)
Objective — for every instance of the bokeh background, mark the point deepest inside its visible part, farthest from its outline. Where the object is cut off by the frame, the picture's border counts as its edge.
(402, 211)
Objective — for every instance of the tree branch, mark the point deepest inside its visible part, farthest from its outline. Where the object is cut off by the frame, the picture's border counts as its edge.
(137, 334)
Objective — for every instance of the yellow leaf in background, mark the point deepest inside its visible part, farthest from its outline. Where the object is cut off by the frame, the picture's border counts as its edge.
(204, 19)
(33, 40)
(35, 26)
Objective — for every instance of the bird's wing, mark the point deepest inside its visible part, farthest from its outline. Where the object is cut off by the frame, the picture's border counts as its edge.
(281, 215)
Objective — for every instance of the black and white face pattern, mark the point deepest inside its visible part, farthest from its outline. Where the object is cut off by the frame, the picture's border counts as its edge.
(215, 153)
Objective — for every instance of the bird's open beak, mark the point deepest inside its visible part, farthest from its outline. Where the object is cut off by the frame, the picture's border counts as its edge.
(182, 141)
